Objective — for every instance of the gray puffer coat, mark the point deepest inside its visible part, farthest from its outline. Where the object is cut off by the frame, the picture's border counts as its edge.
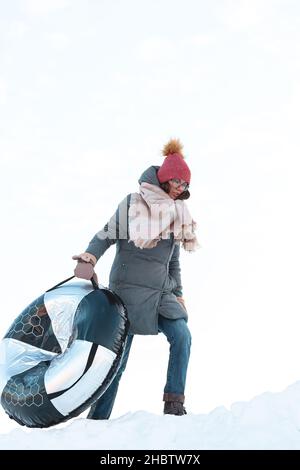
(147, 280)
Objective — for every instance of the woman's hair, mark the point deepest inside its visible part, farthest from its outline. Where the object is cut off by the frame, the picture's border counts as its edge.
(166, 187)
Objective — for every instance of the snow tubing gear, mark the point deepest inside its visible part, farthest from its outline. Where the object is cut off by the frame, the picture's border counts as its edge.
(61, 353)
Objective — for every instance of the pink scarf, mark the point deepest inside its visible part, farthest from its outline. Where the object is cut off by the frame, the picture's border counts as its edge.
(153, 216)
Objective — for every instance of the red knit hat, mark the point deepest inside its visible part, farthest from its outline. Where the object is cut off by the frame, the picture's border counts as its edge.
(174, 165)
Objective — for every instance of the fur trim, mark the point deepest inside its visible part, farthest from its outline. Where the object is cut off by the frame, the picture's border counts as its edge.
(173, 146)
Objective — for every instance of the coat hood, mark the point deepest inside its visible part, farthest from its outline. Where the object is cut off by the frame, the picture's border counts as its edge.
(150, 176)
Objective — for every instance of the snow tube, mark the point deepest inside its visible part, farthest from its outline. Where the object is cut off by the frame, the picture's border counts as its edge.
(61, 353)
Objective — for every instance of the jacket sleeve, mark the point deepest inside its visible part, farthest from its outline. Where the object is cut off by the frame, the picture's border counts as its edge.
(115, 229)
(175, 271)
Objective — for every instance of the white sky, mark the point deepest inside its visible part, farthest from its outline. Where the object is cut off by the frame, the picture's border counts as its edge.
(89, 93)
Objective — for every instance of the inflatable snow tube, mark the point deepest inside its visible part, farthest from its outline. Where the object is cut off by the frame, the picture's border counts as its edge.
(61, 353)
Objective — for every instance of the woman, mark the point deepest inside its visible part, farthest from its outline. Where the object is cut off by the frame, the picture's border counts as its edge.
(148, 228)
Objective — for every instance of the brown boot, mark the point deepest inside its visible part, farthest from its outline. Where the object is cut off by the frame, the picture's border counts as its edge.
(174, 404)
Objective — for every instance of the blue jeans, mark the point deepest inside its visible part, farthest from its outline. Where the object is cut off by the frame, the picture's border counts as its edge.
(179, 337)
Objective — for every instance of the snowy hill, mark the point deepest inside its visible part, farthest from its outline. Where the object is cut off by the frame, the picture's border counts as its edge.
(268, 421)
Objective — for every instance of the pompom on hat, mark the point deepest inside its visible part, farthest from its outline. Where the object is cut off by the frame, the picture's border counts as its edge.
(174, 165)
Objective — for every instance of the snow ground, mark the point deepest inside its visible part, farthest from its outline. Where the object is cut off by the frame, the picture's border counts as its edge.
(268, 421)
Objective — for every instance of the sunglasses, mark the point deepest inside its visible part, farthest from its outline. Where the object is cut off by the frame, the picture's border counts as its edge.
(177, 183)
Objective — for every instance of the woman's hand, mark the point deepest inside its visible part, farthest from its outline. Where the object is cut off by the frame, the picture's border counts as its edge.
(87, 257)
(181, 301)
(85, 266)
